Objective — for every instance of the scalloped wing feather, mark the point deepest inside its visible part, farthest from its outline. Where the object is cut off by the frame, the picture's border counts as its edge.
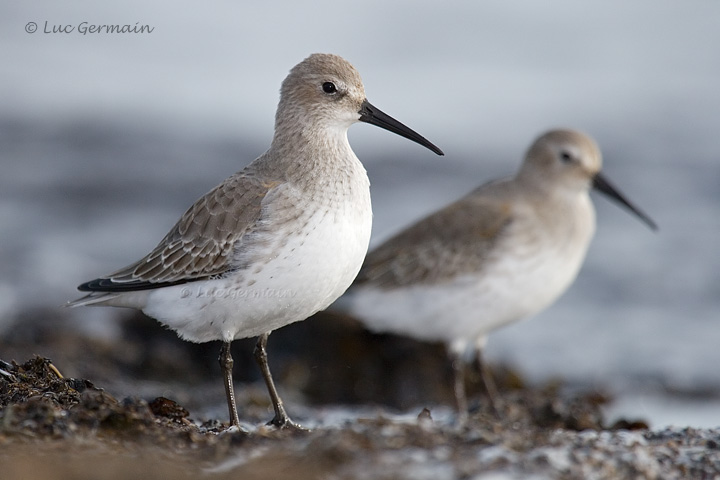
(201, 244)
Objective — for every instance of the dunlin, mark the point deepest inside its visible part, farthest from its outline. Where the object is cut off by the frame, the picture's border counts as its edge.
(500, 254)
(275, 242)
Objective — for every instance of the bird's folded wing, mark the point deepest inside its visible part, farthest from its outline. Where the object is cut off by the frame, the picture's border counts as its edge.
(201, 244)
(448, 243)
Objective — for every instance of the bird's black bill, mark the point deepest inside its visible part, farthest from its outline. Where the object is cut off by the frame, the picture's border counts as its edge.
(375, 116)
(600, 183)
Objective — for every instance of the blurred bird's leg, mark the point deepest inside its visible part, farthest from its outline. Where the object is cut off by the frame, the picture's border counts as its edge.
(458, 364)
(486, 374)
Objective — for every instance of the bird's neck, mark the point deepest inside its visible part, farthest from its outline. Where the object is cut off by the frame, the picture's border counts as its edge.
(303, 151)
(311, 149)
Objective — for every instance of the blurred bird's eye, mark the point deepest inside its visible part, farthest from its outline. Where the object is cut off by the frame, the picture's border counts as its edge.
(329, 87)
(566, 157)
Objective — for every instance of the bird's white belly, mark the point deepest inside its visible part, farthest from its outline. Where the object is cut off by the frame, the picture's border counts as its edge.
(301, 273)
(466, 308)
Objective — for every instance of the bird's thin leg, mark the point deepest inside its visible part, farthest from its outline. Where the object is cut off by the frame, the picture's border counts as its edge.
(226, 364)
(458, 364)
(488, 381)
(281, 419)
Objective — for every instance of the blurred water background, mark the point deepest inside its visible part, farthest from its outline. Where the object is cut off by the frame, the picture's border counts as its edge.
(105, 139)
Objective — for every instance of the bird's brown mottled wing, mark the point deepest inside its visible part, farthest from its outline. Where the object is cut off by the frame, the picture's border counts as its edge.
(430, 250)
(202, 242)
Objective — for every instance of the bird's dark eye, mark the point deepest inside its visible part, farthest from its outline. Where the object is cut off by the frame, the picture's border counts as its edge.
(329, 87)
(566, 157)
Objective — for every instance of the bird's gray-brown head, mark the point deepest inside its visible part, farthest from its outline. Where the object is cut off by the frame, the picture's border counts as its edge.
(570, 161)
(562, 159)
(324, 93)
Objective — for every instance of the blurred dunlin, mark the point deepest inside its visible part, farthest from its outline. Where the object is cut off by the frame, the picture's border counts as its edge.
(502, 253)
(273, 243)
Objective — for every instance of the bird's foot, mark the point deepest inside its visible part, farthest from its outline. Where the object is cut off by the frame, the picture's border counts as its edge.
(283, 422)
